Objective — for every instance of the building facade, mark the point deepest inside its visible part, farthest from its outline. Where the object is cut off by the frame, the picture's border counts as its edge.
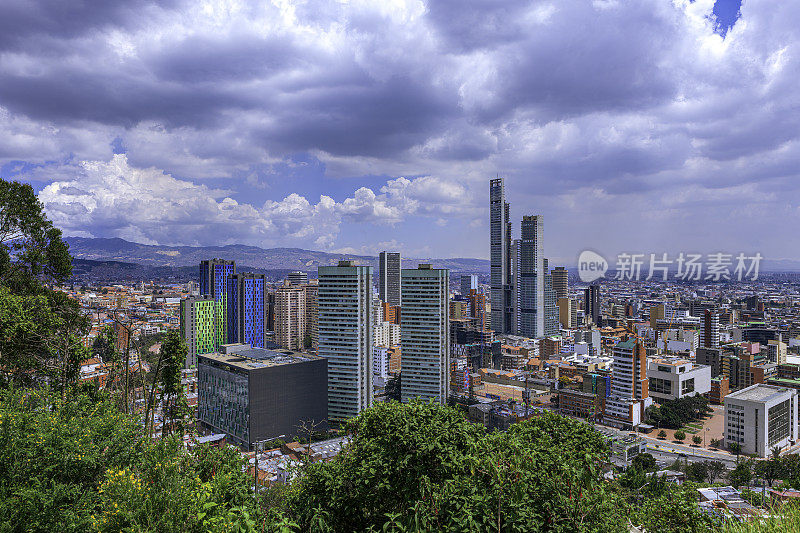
(345, 337)
(198, 327)
(671, 378)
(252, 394)
(560, 282)
(500, 258)
(246, 305)
(760, 418)
(215, 275)
(389, 289)
(425, 334)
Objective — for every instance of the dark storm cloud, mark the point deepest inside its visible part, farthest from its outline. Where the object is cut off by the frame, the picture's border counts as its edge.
(24, 21)
(624, 102)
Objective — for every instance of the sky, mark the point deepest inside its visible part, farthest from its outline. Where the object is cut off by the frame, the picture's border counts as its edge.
(356, 126)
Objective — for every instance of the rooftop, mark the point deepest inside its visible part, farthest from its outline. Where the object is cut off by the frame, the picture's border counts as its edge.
(758, 393)
(248, 358)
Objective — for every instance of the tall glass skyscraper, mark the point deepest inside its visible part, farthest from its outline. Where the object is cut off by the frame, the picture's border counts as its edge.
(215, 283)
(345, 337)
(531, 279)
(389, 288)
(500, 256)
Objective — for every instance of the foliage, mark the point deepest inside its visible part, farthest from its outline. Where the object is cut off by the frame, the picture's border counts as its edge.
(673, 510)
(41, 337)
(677, 413)
(662, 434)
(53, 455)
(32, 253)
(697, 439)
(424, 466)
(645, 461)
(702, 471)
(679, 435)
(173, 354)
(80, 464)
(742, 474)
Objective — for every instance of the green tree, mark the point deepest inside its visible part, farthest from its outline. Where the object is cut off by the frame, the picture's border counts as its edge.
(662, 434)
(680, 435)
(645, 461)
(422, 465)
(742, 474)
(32, 253)
(173, 399)
(697, 440)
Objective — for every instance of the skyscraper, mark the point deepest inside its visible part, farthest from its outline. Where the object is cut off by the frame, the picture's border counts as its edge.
(425, 334)
(500, 256)
(530, 281)
(560, 282)
(591, 303)
(468, 283)
(709, 329)
(215, 277)
(345, 337)
(389, 289)
(198, 327)
(550, 307)
(246, 309)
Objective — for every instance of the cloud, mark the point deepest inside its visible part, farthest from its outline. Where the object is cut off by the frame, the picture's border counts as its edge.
(405, 108)
(114, 199)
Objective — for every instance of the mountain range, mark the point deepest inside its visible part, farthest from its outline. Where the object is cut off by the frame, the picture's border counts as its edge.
(118, 255)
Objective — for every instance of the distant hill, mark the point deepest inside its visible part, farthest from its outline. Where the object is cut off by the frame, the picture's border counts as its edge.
(257, 259)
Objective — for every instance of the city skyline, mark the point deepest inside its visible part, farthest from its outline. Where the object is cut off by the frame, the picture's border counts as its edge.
(326, 129)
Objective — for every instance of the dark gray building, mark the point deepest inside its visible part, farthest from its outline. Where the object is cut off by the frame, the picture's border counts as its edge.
(389, 289)
(252, 394)
(501, 278)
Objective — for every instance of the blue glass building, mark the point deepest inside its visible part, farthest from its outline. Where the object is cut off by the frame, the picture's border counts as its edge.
(247, 309)
(215, 276)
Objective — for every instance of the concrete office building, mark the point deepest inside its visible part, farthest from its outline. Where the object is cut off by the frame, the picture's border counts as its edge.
(246, 309)
(761, 417)
(297, 277)
(671, 378)
(425, 334)
(198, 327)
(500, 258)
(389, 289)
(252, 394)
(560, 282)
(290, 316)
(215, 275)
(469, 282)
(345, 337)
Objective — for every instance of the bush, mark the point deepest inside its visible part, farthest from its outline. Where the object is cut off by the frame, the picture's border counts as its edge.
(662, 434)
(80, 464)
(424, 466)
(697, 440)
(680, 435)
